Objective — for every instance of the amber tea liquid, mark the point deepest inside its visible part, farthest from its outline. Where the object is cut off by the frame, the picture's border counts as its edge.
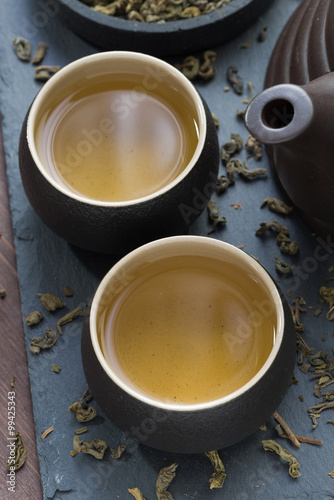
(191, 330)
(116, 141)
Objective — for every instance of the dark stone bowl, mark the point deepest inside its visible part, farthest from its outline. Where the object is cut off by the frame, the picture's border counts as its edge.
(117, 229)
(194, 430)
(171, 38)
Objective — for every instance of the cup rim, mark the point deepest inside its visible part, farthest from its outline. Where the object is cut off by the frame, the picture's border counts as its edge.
(200, 240)
(65, 72)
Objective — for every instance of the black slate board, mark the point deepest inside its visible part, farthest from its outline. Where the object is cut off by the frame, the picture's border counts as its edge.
(46, 263)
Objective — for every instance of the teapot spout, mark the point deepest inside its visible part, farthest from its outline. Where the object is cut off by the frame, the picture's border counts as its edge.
(279, 114)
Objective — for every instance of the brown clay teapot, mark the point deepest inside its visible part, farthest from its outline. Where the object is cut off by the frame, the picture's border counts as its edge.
(294, 115)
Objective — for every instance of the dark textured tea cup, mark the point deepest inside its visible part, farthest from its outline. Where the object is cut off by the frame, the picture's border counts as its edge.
(117, 226)
(195, 427)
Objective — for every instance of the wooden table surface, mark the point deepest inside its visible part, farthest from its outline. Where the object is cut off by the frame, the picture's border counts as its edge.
(13, 360)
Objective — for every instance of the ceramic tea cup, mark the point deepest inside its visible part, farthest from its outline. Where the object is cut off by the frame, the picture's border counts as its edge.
(116, 150)
(189, 345)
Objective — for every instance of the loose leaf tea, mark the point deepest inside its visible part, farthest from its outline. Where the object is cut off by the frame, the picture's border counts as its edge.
(22, 48)
(271, 445)
(47, 432)
(68, 292)
(214, 215)
(234, 145)
(327, 293)
(136, 493)
(218, 476)
(189, 67)
(116, 453)
(276, 226)
(193, 68)
(296, 309)
(44, 73)
(82, 414)
(50, 302)
(20, 454)
(34, 318)
(70, 317)
(286, 245)
(12, 381)
(40, 53)
(165, 477)
(286, 428)
(55, 368)
(235, 80)
(283, 267)
(277, 206)
(96, 448)
(254, 147)
(46, 342)
(2, 293)
(153, 11)
(86, 397)
(331, 474)
(82, 430)
(215, 120)
(262, 35)
(222, 184)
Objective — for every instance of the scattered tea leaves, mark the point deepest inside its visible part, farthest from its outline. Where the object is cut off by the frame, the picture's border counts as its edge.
(189, 67)
(67, 291)
(246, 45)
(222, 184)
(70, 317)
(286, 428)
(235, 80)
(276, 226)
(46, 342)
(96, 448)
(56, 368)
(165, 477)
(207, 71)
(136, 493)
(254, 147)
(47, 432)
(234, 145)
(82, 430)
(50, 302)
(22, 48)
(214, 215)
(331, 474)
(116, 453)
(2, 293)
(218, 476)
(296, 309)
(271, 445)
(44, 73)
(283, 267)
(12, 381)
(34, 318)
(286, 245)
(20, 454)
(215, 120)
(40, 53)
(327, 293)
(277, 206)
(82, 414)
(262, 35)
(236, 206)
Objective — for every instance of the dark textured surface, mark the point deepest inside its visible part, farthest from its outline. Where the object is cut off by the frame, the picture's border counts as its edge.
(171, 38)
(47, 263)
(196, 431)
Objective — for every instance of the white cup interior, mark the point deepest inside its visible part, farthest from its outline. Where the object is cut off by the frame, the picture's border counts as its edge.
(68, 79)
(121, 275)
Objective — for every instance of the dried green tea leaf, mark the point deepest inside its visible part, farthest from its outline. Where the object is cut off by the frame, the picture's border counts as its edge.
(46, 342)
(86, 397)
(246, 45)
(317, 312)
(327, 293)
(254, 147)
(136, 493)
(262, 35)
(331, 474)
(44, 73)
(277, 206)
(165, 477)
(22, 48)
(296, 309)
(276, 226)
(70, 317)
(271, 445)
(318, 358)
(286, 245)
(56, 368)
(67, 291)
(235, 80)
(50, 302)
(82, 430)
(116, 453)
(96, 448)
(47, 432)
(222, 184)
(40, 53)
(215, 120)
(20, 454)
(234, 145)
(34, 318)
(252, 174)
(241, 113)
(2, 293)
(206, 70)
(189, 67)
(218, 476)
(82, 414)
(214, 215)
(12, 381)
(283, 267)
